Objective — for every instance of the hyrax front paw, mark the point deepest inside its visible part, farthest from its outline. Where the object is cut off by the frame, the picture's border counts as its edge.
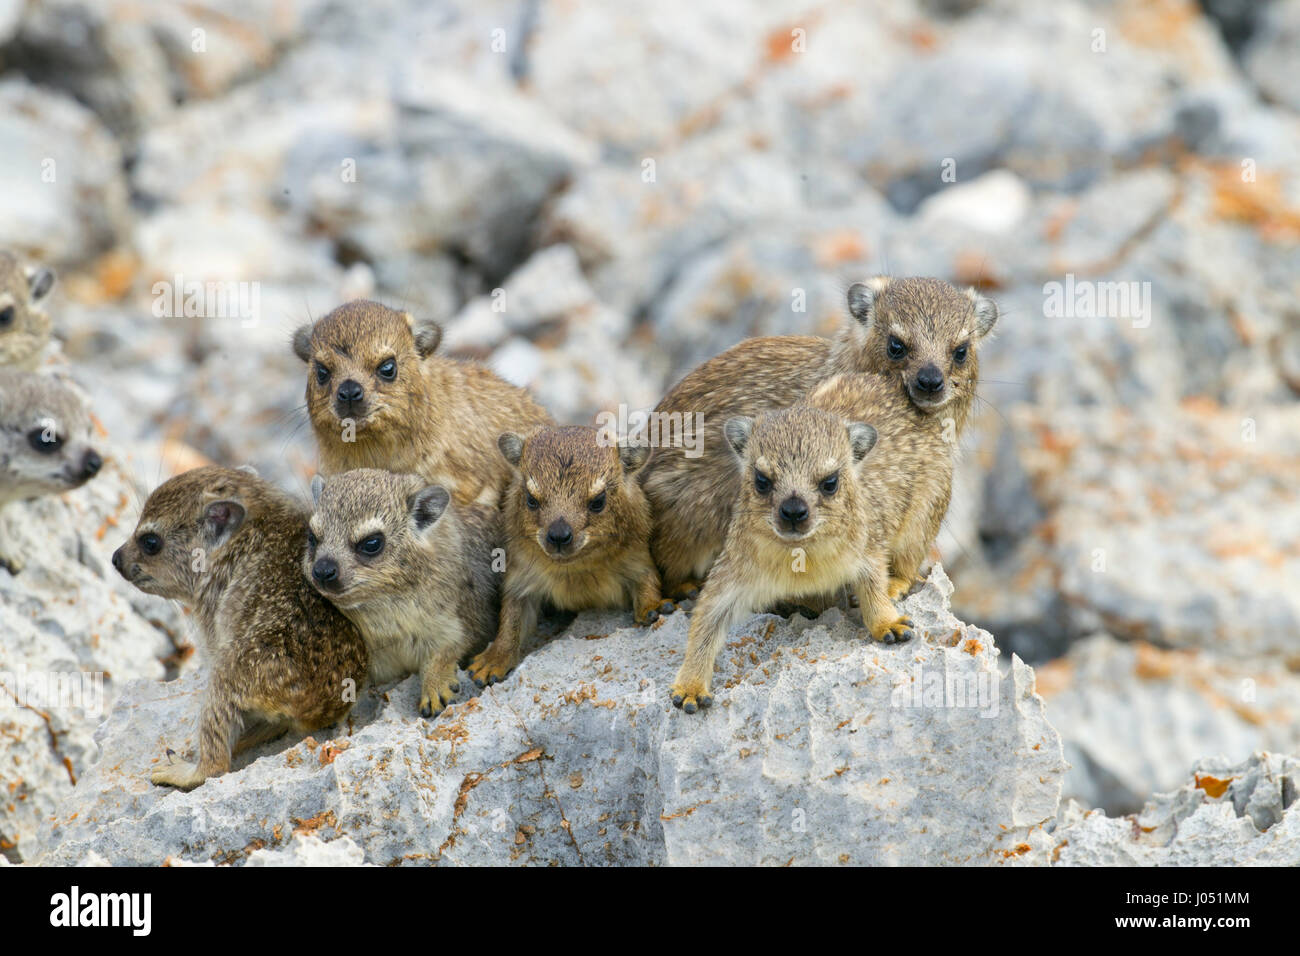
(437, 693)
(690, 694)
(489, 667)
(887, 631)
(649, 613)
(898, 587)
(178, 774)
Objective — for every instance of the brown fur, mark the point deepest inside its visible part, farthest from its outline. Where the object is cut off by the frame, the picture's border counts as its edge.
(606, 564)
(891, 476)
(438, 417)
(692, 497)
(24, 327)
(281, 657)
(428, 598)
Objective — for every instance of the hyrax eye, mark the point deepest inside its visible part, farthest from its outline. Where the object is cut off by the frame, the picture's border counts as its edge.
(387, 370)
(371, 546)
(959, 353)
(532, 503)
(762, 483)
(150, 543)
(44, 441)
(322, 374)
(311, 541)
(597, 504)
(6, 317)
(896, 347)
(830, 484)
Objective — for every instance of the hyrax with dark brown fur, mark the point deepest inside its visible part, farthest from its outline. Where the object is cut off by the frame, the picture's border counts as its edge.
(24, 326)
(411, 569)
(45, 447)
(380, 397)
(826, 500)
(577, 536)
(281, 657)
(922, 334)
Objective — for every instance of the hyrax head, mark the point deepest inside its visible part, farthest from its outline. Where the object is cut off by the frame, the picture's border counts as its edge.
(187, 525)
(365, 528)
(798, 468)
(925, 332)
(24, 327)
(44, 437)
(362, 360)
(574, 487)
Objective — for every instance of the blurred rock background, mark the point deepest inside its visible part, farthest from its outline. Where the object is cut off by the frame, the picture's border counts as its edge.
(594, 197)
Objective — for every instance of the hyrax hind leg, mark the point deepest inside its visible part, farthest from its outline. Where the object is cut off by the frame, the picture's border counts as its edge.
(219, 723)
(881, 618)
(518, 621)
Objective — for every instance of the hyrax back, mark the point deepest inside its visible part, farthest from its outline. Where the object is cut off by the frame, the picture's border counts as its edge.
(823, 497)
(24, 326)
(411, 569)
(921, 334)
(577, 530)
(45, 444)
(379, 396)
(230, 545)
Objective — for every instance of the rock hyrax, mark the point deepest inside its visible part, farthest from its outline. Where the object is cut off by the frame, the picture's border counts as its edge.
(411, 569)
(281, 657)
(824, 497)
(380, 397)
(922, 334)
(45, 444)
(24, 326)
(577, 536)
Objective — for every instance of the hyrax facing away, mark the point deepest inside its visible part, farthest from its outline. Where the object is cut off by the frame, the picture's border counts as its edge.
(379, 397)
(825, 501)
(412, 570)
(577, 531)
(282, 657)
(44, 444)
(921, 334)
(24, 327)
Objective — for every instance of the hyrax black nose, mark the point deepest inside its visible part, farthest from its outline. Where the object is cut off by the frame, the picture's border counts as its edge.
(351, 392)
(91, 464)
(117, 560)
(929, 379)
(794, 510)
(559, 533)
(325, 571)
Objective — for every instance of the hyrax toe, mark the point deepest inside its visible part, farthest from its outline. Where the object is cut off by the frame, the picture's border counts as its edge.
(178, 774)
(486, 670)
(898, 587)
(898, 630)
(434, 700)
(690, 696)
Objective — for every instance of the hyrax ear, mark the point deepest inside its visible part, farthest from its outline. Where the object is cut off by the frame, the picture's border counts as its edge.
(40, 281)
(221, 519)
(427, 506)
(633, 456)
(302, 342)
(317, 486)
(862, 299)
(248, 470)
(737, 431)
(427, 333)
(986, 313)
(862, 438)
(512, 446)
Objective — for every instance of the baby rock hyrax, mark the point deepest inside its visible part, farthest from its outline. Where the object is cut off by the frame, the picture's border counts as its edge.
(281, 657)
(411, 569)
(24, 327)
(577, 529)
(824, 499)
(45, 445)
(380, 397)
(921, 334)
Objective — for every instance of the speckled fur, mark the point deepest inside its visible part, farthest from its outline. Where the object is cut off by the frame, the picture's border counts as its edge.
(281, 657)
(25, 329)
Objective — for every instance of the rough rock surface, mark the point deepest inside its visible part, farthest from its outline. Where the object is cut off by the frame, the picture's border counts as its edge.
(821, 749)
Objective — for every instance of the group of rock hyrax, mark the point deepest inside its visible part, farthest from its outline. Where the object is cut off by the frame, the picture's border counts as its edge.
(450, 509)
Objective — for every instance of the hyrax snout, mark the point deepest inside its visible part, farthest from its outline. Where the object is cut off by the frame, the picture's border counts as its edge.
(412, 569)
(577, 528)
(24, 326)
(231, 545)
